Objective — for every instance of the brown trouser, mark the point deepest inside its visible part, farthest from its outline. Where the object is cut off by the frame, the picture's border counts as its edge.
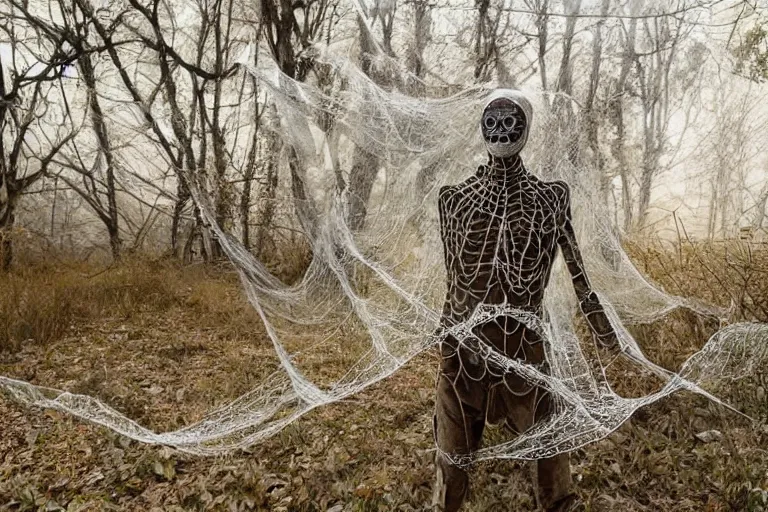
(468, 394)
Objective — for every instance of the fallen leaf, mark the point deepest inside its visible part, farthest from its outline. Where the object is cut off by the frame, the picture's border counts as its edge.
(709, 436)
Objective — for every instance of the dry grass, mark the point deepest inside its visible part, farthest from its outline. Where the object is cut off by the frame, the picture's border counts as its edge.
(728, 274)
(40, 304)
(165, 343)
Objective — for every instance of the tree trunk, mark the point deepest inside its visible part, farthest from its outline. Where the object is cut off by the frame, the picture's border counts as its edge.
(626, 195)
(111, 219)
(306, 210)
(6, 208)
(422, 21)
(248, 175)
(653, 72)
(224, 192)
(644, 194)
(182, 197)
(268, 196)
(245, 210)
(361, 179)
(592, 125)
(482, 55)
(365, 165)
(115, 244)
(712, 220)
(187, 153)
(562, 105)
(619, 146)
(7, 221)
(565, 76)
(542, 24)
(279, 25)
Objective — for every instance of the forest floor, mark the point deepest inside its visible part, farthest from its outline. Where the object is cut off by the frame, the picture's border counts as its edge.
(165, 344)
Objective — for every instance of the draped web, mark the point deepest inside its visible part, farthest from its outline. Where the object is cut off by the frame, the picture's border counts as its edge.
(374, 294)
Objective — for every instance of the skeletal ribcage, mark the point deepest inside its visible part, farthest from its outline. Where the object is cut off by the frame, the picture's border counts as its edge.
(500, 247)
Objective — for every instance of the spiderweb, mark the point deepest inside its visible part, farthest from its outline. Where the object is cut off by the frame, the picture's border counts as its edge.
(373, 296)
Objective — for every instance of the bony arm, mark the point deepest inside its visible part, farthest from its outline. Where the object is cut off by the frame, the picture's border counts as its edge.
(444, 206)
(589, 303)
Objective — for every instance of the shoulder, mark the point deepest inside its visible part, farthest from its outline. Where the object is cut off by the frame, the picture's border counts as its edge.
(445, 196)
(446, 191)
(560, 189)
(557, 195)
(450, 193)
(557, 192)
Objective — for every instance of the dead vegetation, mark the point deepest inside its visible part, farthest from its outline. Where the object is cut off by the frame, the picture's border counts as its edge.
(165, 343)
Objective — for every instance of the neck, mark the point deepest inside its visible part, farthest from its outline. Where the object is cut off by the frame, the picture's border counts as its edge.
(507, 168)
(506, 163)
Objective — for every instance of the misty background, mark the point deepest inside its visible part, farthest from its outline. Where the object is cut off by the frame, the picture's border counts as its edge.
(109, 107)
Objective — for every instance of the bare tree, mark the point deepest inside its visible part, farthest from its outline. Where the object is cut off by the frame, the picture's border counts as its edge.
(541, 8)
(591, 112)
(365, 165)
(728, 155)
(496, 45)
(144, 101)
(193, 127)
(562, 105)
(752, 62)
(653, 70)
(97, 185)
(565, 74)
(31, 128)
(421, 36)
(250, 167)
(289, 41)
(617, 106)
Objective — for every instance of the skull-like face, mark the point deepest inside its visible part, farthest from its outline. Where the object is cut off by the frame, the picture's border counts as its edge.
(505, 127)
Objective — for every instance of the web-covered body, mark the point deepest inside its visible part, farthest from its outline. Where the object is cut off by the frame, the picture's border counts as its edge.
(500, 231)
(500, 240)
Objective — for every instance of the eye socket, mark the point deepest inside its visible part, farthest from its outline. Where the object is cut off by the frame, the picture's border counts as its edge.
(509, 122)
(489, 123)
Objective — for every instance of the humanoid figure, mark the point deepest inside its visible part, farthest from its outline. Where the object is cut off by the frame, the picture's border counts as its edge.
(501, 229)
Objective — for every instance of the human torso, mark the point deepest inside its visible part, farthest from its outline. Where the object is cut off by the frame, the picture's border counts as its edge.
(500, 235)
